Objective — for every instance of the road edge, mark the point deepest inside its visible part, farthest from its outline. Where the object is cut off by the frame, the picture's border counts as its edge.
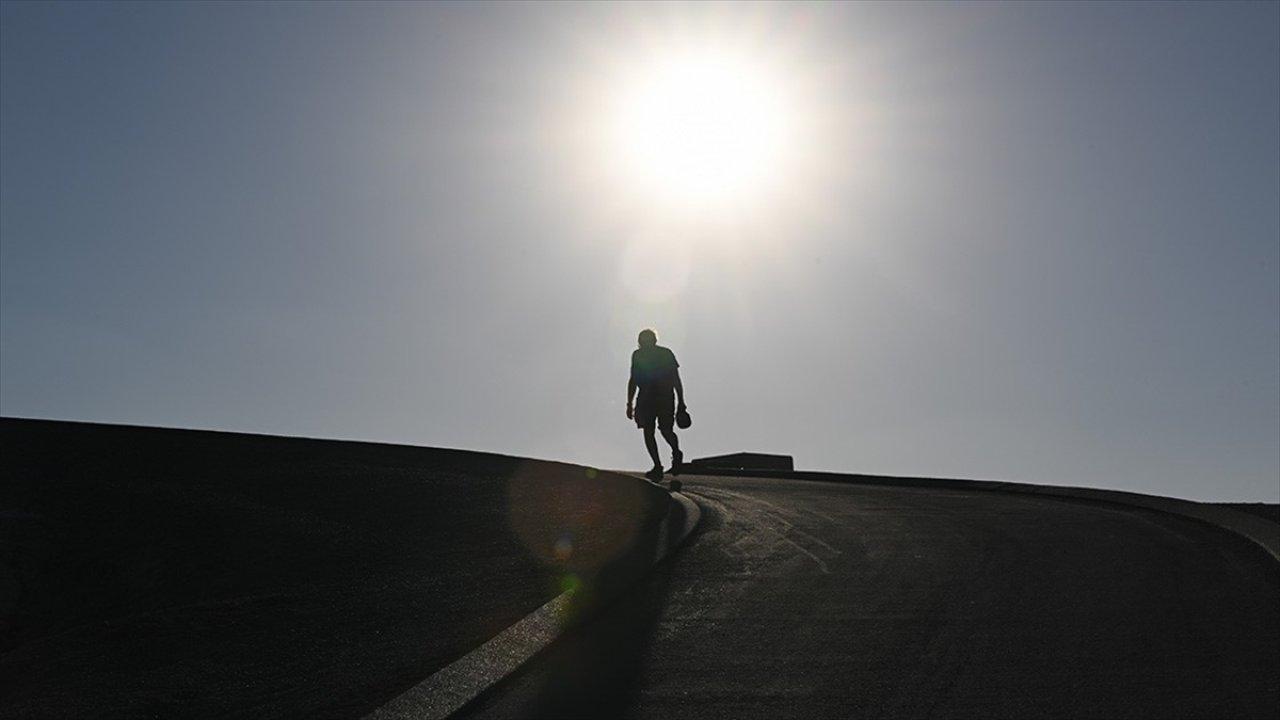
(1258, 530)
(458, 683)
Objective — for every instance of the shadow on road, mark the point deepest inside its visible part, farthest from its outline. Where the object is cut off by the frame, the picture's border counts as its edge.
(593, 670)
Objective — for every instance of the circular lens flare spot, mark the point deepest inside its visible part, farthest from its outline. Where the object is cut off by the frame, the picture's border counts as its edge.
(655, 267)
(573, 523)
(563, 548)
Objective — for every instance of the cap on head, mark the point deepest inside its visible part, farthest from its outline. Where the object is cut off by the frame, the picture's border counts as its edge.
(648, 338)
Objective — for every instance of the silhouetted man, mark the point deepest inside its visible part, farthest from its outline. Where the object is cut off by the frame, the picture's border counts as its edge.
(656, 373)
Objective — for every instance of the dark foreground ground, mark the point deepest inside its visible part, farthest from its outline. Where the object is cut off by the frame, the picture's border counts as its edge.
(159, 573)
(168, 573)
(815, 599)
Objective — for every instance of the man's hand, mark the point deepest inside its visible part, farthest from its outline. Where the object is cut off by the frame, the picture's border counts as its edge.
(630, 412)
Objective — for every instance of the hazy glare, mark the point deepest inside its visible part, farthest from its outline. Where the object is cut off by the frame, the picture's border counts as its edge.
(1022, 241)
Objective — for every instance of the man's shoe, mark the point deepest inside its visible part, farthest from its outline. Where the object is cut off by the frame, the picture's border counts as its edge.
(655, 474)
(677, 462)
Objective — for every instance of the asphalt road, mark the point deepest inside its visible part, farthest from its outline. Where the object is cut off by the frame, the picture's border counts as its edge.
(809, 599)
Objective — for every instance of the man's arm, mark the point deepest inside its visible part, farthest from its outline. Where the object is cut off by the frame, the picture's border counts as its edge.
(631, 392)
(679, 389)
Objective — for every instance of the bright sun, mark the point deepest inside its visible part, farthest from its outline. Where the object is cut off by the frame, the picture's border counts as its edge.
(703, 128)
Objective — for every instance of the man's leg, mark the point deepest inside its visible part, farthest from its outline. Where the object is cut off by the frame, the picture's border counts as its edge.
(670, 436)
(651, 444)
(677, 457)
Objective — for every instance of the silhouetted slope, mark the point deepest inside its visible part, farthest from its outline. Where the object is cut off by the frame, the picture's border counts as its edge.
(193, 574)
(1270, 511)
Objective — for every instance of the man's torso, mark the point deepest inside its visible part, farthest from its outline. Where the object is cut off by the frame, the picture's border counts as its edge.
(654, 371)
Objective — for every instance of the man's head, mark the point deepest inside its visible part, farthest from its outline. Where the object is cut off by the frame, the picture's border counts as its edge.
(648, 338)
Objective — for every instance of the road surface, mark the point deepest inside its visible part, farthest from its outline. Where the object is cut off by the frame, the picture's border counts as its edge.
(813, 599)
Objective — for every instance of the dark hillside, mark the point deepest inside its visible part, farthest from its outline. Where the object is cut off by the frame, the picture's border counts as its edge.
(1270, 511)
(176, 573)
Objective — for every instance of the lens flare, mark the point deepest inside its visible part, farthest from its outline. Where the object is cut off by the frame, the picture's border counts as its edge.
(571, 522)
(570, 583)
(655, 267)
(563, 548)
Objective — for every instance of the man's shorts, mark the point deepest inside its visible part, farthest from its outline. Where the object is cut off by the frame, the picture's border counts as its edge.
(659, 409)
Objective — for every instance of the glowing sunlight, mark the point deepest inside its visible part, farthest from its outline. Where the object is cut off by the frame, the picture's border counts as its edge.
(702, 128)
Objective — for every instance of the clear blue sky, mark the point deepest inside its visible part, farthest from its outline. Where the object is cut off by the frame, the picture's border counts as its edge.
(1026, 241)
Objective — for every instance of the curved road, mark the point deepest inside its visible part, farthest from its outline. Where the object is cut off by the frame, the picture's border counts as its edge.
(814, 599)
